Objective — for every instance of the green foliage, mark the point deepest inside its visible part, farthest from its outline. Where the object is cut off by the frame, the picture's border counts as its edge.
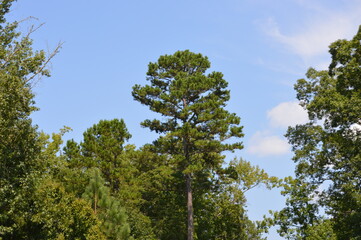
(96, 192)
(301, 211)
(322, 230)
(222, 212)
(17, 66)
(59, 214)
(192, 106)
(194, 122)
(248, 176)
(33, 203)
(103, 147)
(160, 193)
(107, 208)
(222, 216)
(327, 149)
(19, 148)
(43, 209)
(74, 176)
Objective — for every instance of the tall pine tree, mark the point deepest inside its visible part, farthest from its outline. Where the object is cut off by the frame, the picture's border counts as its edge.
(195, 124)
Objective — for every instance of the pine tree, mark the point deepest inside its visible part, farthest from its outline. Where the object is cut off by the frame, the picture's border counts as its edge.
(107, 208)
(195, 123)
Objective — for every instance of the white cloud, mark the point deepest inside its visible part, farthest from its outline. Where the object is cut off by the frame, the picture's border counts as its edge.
(312, 38)
(315, 39)
(287, 114)
(263, 144)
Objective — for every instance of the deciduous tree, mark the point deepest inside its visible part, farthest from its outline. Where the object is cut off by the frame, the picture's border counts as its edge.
(103, 146)
(20, 66)
(327, 149)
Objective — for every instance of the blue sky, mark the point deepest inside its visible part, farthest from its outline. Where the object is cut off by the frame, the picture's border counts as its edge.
(261, 46)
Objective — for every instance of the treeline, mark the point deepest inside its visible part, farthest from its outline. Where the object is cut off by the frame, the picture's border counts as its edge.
(177, 187)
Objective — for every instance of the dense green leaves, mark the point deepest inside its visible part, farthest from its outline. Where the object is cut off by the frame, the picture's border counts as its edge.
(103, 146)
(222, 212)
(19, 146)
(61, 216)
(327, 149)
(119, 192)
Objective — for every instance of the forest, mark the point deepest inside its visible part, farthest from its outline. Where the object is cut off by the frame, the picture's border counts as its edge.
(178, 186)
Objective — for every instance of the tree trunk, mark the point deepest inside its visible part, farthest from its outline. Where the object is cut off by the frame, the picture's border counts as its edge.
(95, 204)
(189, 207)
(190, 224)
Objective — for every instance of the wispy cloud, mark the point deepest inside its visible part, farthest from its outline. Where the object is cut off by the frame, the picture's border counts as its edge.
(315, 39)
(287, 114)
(264, 144)
(310, 39)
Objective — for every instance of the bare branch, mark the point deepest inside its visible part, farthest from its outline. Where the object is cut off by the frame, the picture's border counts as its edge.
(27, 19)
(41, 69)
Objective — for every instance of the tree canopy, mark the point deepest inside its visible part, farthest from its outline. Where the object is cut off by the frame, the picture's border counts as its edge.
(327, 148)
(179, 186)
(196, 123)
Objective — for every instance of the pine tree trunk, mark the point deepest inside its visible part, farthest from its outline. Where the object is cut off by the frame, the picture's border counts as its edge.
(189, 207)
(190, 224)
(95, 204)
